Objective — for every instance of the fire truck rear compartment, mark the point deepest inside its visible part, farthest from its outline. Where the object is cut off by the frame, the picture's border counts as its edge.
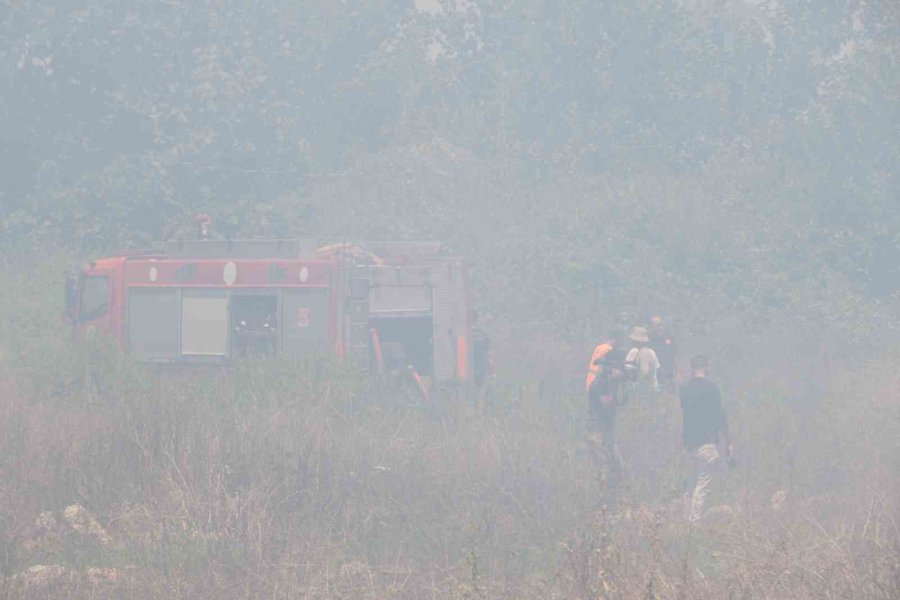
(404, 342)
(402, 323)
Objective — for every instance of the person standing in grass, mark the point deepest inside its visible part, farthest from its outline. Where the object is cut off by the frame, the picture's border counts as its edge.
(664, 346)
(704, 431)
(605, 390)
(645, 360)
(602, 349)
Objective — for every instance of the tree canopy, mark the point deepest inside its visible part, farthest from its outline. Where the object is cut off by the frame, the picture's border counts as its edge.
(726, 162)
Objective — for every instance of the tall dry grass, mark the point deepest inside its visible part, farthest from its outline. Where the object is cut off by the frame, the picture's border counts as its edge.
(278, 480)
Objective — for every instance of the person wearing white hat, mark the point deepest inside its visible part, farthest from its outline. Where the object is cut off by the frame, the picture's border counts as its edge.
(644, 358)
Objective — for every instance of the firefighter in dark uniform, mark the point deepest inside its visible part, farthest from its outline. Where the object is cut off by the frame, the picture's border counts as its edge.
(664, 345)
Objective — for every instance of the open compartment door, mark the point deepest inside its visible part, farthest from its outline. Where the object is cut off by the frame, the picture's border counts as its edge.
(450, 318)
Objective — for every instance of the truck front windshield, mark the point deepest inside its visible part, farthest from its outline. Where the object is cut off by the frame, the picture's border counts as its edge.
(94, 297)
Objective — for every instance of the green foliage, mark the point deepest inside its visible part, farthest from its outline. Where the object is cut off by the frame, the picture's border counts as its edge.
(726, 164)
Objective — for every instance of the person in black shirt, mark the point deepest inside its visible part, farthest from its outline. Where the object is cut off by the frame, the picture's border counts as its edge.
(704, 429)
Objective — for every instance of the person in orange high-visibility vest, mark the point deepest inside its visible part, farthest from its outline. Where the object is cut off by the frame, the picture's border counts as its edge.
(604, 397)
(602, 349)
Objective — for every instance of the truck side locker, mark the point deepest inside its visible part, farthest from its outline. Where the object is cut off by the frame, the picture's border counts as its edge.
(153, 323)
(205, 331)
(304, 321)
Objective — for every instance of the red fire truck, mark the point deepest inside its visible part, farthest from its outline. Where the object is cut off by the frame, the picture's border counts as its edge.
(385, 306)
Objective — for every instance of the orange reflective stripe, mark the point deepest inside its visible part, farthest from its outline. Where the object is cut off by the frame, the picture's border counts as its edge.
(376, 346)
(420, 383)
(462, 357)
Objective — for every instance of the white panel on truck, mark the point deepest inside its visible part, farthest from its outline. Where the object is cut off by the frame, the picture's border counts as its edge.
(204, 323)
(153, 323)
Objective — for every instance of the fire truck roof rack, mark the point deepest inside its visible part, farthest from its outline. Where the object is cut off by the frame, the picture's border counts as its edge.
(243, 249)
(140, 252)
(392, 249)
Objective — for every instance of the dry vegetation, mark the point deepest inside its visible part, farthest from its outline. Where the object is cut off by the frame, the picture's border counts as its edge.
(730, 164)
(276, 481)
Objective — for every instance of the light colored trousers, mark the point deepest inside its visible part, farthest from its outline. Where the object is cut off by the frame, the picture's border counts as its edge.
(705, 461)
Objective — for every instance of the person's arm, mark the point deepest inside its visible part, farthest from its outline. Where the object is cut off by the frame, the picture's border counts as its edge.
(632, 355)
(724, 433)
(725, 438)
(656, 367)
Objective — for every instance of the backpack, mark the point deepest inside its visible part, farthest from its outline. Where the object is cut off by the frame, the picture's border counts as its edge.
(613, 371)
(633, 361)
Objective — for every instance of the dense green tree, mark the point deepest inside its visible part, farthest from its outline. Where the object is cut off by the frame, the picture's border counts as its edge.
(716, 161)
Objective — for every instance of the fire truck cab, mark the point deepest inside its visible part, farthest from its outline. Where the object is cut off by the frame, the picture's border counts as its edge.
(384, 306)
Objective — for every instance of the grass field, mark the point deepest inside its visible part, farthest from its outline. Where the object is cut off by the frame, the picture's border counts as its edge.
(280, 480)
